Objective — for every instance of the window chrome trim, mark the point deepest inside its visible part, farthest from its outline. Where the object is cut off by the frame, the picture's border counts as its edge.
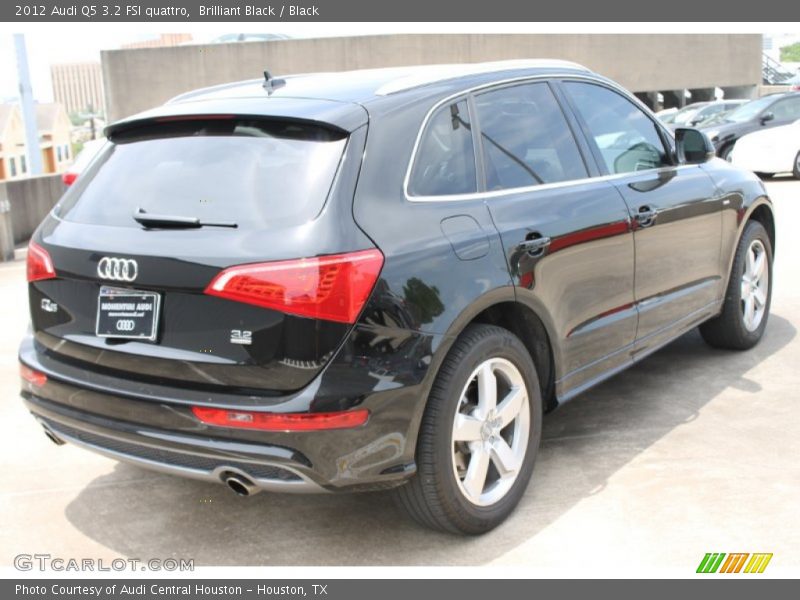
(531, 188)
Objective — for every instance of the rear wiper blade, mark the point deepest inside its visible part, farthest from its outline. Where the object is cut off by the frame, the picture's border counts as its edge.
(147, 219)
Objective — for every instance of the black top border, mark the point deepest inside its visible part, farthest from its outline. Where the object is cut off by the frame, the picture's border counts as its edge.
(439, 11)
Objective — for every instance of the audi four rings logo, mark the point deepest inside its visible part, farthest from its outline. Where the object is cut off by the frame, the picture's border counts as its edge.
(126, 325)
(117, 269)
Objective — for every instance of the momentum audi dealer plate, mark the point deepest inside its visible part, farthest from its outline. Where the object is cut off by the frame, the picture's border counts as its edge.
(130, 314)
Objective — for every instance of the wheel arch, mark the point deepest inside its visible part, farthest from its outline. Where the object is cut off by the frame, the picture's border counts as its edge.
(763, 213)
(759, 210)
(502, 308)
(523, 322)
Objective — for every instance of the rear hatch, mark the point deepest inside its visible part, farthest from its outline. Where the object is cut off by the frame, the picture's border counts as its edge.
(212, 252)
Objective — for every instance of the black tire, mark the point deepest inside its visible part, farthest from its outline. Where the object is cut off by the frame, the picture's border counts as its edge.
(728, 330)
(796, 169)
(765, 175)
(725, 152)
(433, 496)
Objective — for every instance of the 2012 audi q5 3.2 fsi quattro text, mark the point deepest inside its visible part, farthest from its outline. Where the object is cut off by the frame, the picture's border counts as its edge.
(380, 279)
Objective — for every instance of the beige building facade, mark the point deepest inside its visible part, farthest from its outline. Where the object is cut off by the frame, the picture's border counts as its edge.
(54, 140)
(78, 87)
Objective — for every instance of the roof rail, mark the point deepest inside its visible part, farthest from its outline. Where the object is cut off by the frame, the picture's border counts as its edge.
(436, 73)
(212, 88)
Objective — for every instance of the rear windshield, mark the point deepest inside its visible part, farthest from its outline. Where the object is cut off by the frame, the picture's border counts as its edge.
(258, 174)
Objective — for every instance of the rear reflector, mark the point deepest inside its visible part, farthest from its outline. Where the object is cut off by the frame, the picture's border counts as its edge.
(32, 376)
(334, 288)
(40, 266)
(281, 421)
(69, 178)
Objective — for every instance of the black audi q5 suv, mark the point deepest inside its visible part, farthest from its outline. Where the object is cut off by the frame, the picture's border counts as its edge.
(380, 279)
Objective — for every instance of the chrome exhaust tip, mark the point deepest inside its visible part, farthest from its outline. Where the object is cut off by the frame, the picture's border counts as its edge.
(240, 485)
(53, 437)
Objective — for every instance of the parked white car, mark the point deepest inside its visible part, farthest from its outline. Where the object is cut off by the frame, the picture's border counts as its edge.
(775, 150)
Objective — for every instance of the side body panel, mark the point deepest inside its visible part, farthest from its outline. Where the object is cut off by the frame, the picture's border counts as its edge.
(583, 281)
(677, 252)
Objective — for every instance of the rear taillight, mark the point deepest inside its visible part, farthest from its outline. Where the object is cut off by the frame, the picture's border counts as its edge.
(334, 288)
(36, 378)
(40, 266)
(69, 178)
(281, 421)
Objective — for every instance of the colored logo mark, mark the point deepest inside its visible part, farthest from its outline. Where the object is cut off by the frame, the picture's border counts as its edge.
(737, 562)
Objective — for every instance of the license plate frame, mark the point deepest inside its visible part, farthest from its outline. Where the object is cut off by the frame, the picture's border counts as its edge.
(135, 315)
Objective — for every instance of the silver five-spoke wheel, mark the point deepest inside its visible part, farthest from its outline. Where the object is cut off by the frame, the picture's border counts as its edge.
(755, 285)
(490, 431)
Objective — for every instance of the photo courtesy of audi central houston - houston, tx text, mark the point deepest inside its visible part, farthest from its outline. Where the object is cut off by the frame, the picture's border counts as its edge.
(353, 294)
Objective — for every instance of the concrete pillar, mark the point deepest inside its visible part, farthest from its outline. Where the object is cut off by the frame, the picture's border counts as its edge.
(651, 100)
(6, 231)
(32, 152)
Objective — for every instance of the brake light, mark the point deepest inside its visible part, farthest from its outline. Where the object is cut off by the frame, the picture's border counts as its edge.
(32, 376)
(69, 178)
(334, 288)
(40, 266)
(281, 421)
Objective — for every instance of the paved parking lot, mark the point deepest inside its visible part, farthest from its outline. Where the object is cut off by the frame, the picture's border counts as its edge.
(692, 451)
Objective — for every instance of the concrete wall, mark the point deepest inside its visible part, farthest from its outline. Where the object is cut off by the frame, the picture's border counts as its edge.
(28, 201)
(139, 79)
(765, 90)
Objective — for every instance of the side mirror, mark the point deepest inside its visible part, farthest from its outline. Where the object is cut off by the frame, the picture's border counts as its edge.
(693, 146)
(767, 117)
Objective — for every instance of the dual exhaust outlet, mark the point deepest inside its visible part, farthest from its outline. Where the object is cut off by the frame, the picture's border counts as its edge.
(239, 484)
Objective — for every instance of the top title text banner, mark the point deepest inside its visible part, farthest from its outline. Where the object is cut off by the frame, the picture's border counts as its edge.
(464, 11)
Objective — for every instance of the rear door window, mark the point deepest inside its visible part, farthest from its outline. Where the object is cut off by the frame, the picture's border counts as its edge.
(256, 173)
(525, 138)
(445, 161)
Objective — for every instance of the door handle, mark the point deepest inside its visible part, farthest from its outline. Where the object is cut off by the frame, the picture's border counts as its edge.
(535, 246)
(645, 216)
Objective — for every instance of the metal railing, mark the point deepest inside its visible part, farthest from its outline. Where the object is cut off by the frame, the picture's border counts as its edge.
(772, 72)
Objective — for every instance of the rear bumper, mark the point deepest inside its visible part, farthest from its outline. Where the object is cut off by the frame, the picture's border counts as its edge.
(158, 432)
(186, 458)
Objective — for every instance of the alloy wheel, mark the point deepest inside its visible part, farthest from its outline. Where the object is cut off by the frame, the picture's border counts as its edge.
(755, 285)
(490, 432)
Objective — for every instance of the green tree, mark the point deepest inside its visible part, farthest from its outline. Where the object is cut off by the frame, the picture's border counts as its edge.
(791, 53)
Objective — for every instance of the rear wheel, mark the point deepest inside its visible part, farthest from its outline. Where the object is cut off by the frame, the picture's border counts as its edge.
(796, 170)
(479, 435)
(746, 309)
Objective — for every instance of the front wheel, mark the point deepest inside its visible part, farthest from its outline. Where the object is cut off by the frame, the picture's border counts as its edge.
(796, 169)
(725, 153)
(747, 300)
(479, 436)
